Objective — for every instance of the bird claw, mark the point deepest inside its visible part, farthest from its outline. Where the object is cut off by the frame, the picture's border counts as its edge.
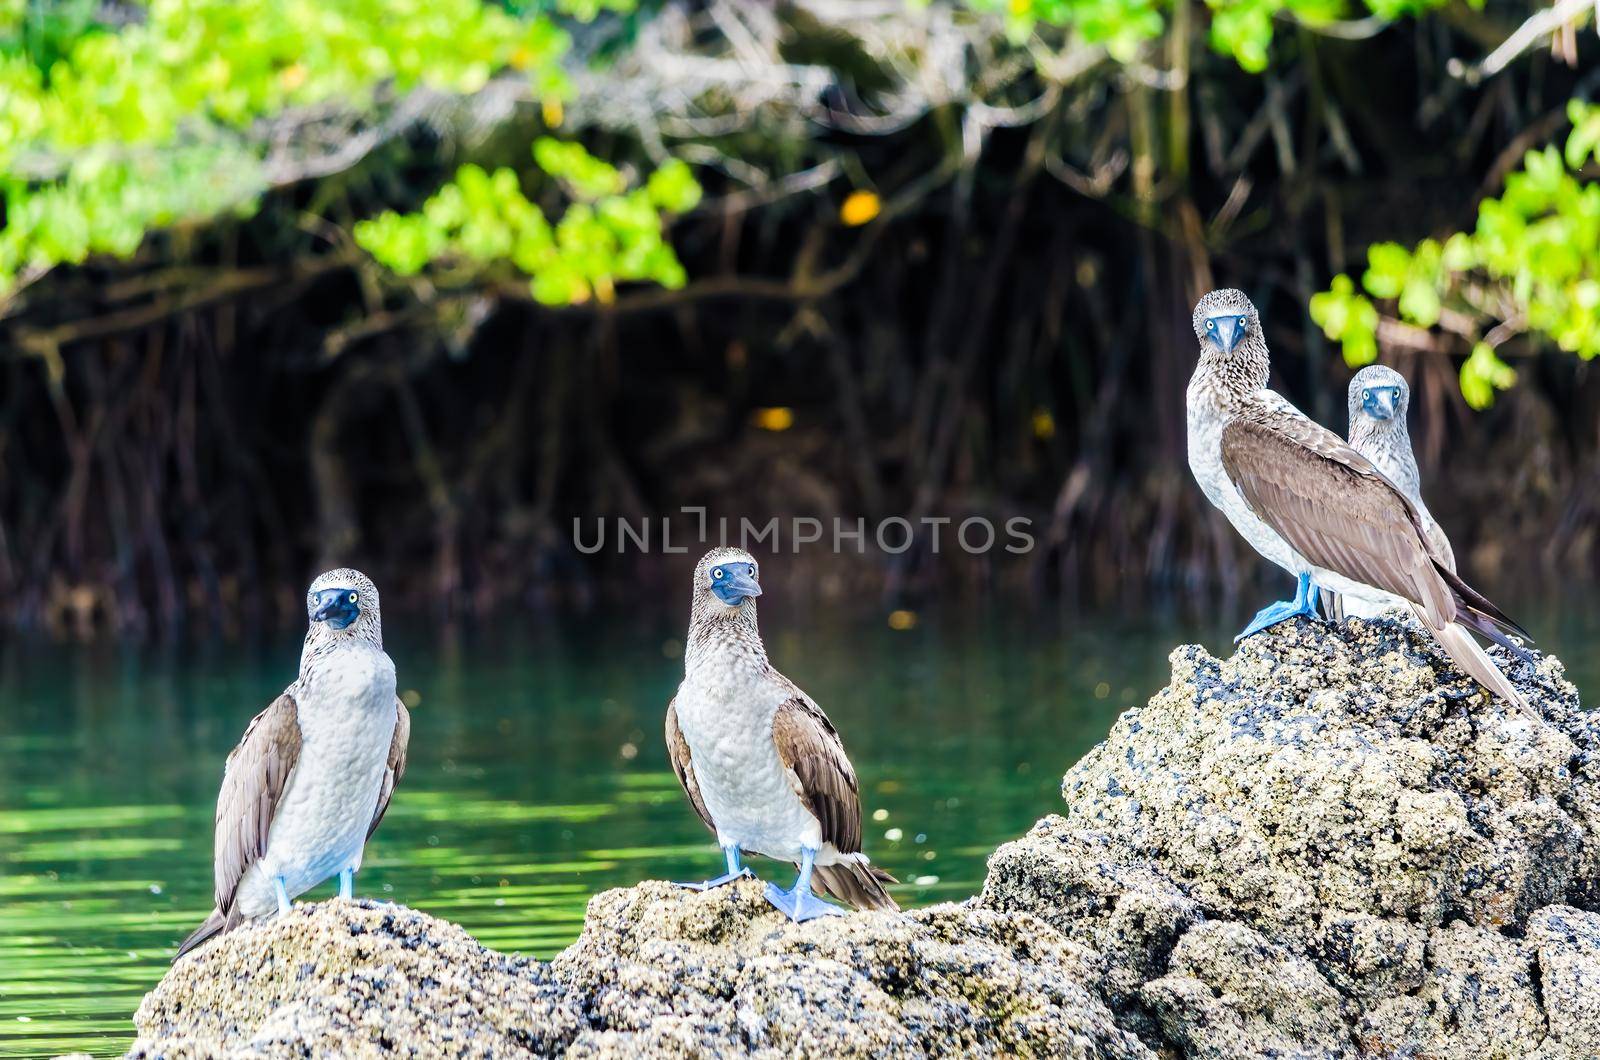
(726, 877)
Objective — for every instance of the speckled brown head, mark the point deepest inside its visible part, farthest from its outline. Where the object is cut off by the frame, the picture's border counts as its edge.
(342, 605)
(726, 584)
(1232, 346)
(728, 578)
(1379, 398)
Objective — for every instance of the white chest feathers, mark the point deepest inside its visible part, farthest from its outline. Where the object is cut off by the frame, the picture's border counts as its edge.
(345, 705)
(1205, 423)
(725, 708)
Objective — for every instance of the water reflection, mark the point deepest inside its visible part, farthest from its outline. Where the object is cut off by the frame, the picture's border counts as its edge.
(537, 777)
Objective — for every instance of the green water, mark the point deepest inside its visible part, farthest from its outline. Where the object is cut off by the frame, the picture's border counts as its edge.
(537, 777)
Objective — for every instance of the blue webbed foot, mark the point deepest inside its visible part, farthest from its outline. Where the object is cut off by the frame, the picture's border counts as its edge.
(798, 903)
(726, 877)
(735, 871)
(347, 883)
(1304, 603)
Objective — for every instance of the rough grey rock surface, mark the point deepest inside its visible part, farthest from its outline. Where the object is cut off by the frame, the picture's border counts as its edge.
(666, 971)
(354, 979)
(1329, 845)
(658, 971)
(1332, 845)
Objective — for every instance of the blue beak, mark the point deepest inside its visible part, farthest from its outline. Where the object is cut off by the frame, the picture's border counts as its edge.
(736, 587)
(335, 607)
(1229, 331)
(1382, 402)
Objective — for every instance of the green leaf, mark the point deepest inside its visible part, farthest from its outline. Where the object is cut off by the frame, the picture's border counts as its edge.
(673, 187)
(1585, 136)
(1482, 374)
(1419, 302)
(1459, 253)
(1349, 318)
(1388, 265)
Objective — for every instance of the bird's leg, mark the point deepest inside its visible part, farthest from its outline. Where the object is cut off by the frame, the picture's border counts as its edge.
(735, 871)
(1304, 603)
(798, 903)
(1332, 605)
(283, 894)
(347, 883)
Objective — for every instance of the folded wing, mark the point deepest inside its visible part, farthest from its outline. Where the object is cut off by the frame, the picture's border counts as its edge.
(683, 765)
(395, 767)
(1334, 507)
(253, 782)
(1341, 514)
(810, 749)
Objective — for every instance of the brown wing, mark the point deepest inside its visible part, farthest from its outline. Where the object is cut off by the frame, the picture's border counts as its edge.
(678, 751)
(253, 784)
(396, 767)
(1441, 544)
(810, 749)
(1333, 506)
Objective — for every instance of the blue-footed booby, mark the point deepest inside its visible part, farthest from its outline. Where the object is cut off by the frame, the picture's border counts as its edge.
(1233, 361)
(761, 763)
(1379, 400)
(314, 773)
(1311, 503)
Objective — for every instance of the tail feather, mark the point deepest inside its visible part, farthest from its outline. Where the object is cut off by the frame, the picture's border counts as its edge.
(1486, 628)
(218, 923)
(1482, 607)
(1468, 655)
(858, 884)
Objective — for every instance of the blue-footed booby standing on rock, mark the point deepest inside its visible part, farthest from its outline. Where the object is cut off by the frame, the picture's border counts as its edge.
(762, 765)
(1233, 361)
(1311, 503)
(311, 779)
(1379, 399)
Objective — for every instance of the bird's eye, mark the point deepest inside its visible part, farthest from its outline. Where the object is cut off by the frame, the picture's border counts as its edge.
(718, 574)
(1366, 395)
(1211, 325)
(354, 597)
(752, 570)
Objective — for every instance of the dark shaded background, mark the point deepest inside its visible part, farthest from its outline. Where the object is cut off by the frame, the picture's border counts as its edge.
(241, 405)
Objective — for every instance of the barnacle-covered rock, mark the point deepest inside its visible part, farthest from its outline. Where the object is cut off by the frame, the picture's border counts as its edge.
(1333, 844)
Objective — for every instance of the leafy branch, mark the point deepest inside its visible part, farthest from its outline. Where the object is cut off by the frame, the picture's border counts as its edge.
(1531, 267)
(608, 234)
(109, 131)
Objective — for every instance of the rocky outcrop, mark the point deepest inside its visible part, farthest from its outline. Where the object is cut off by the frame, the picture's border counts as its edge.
(1328, 845)
(666, 971)
(345, 978)
(659, 971)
